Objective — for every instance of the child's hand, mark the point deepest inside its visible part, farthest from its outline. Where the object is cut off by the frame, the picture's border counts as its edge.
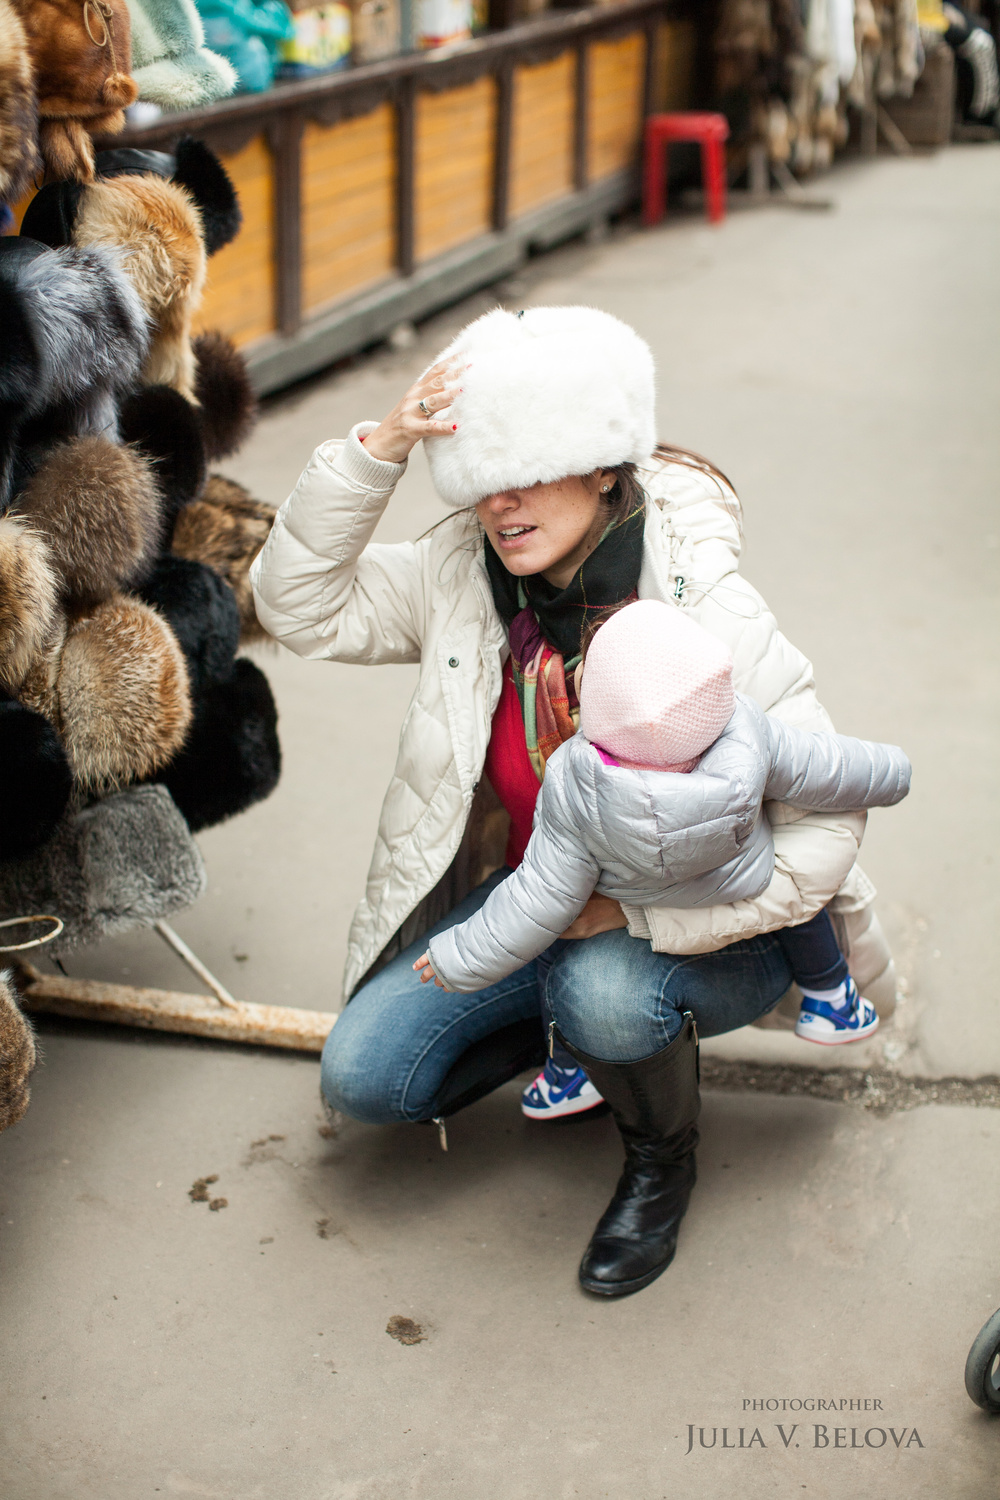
(423, 963)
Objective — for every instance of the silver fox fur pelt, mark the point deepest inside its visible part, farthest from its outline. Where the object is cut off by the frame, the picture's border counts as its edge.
(122, 863)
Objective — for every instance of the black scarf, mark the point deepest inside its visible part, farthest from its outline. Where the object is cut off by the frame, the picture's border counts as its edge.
(608, 577)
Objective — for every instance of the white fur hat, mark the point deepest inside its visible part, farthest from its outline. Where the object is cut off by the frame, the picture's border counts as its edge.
(548, 392)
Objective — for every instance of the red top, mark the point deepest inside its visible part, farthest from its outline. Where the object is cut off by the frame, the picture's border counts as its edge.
(509, 768)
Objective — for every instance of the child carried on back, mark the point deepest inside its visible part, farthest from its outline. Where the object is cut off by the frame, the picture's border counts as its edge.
(658, 800)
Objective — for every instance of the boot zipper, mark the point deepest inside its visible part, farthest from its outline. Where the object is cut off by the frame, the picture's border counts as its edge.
(442, 1133)
(689, 1015)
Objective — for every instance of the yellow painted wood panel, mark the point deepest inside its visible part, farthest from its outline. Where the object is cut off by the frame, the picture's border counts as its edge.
(616, 75)
(673, 66)
(348, 206)
(454, 166)
(239, 297)
(542, 133)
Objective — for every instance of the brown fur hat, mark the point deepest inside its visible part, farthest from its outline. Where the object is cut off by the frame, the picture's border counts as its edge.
(158, 229)
(97, 504)
(29, 593)
(226, 528)
(122, 701)
(19, 160)
(223, 389)
(17, 1055)
(81, 53)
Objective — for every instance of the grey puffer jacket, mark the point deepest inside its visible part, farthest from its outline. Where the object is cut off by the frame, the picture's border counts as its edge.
(661, 838)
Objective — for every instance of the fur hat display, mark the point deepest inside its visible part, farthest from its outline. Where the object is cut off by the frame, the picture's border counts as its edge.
(201, 611)
(29, 592)
(156, 227)
(109, 412)
(226, 528)
(117, 691)
(657, 689)
(37, 780)
(17, 1055)
(81, 56)
(546, 393)
(126, 861)
(170, 62)
(232, 757)
(74, 338)
(98, 507)
(19, 159)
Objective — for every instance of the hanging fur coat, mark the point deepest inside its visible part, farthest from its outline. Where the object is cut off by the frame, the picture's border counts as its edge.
(81, 55)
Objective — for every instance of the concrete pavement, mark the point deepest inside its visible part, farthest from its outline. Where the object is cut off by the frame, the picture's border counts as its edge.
(842, 369)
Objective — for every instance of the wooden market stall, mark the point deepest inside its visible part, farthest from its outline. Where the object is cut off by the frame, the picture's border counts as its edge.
(380, 193)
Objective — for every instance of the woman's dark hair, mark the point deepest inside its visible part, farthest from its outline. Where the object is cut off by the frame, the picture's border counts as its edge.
(627, 491)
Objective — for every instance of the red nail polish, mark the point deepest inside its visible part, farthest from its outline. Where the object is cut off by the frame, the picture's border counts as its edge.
(454, 426)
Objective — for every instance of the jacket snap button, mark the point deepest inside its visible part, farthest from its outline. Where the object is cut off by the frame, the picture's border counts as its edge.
(453, 661)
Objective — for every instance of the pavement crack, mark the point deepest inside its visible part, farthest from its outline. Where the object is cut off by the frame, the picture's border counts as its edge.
(879, 1091)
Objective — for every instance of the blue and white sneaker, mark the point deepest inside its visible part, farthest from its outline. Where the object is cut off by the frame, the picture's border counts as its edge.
(831, 1026)
(558, 1092)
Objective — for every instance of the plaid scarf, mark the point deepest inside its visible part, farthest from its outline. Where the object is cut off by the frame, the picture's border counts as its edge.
(545, 626)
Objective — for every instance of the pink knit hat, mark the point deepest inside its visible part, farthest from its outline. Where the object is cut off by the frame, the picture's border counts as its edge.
(657, 689)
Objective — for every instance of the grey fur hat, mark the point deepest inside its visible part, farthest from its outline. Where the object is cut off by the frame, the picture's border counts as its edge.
(122, 863)
(75, 338)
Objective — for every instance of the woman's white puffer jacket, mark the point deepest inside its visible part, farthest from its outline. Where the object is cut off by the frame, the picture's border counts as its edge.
(328, 594)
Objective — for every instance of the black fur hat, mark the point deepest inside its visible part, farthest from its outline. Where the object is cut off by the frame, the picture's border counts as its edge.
(232, 757)
(51, 215)
(201, 609)
(169, 432)
(36, 781)
(74, 338)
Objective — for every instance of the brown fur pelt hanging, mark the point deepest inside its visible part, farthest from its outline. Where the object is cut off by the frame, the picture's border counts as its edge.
(19, 159)
(97, 504)
(222, 386)
(81, 52)
(29, 593)
(755, 43)
(17, 1055)
(116, 689)
(157, 227)
(226, 528)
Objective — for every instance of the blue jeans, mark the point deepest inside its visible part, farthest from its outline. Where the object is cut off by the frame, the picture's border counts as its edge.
(610, 995)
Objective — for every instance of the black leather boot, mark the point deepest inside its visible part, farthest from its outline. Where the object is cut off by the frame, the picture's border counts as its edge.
(655, 1104)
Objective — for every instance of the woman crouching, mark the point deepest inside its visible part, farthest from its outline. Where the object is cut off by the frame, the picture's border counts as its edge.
(539, 432)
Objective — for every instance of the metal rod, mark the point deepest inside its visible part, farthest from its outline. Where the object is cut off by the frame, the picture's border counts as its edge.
(194, 963)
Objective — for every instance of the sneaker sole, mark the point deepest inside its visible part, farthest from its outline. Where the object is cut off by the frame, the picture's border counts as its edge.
(837, 1040)
(560, 1113)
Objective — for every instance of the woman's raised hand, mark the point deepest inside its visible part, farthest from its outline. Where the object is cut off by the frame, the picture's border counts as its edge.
(414, 416)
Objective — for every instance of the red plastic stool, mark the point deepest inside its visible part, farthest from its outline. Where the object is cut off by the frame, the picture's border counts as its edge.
(711, 132)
